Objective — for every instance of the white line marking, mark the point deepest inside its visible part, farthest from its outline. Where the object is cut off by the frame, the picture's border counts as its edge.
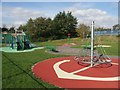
(65, 75)
(80, 70)
(115, 63)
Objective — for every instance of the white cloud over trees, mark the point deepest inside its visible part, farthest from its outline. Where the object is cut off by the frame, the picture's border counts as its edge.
(84, 13)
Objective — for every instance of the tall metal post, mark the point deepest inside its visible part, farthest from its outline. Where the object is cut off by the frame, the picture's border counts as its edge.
(92, 43)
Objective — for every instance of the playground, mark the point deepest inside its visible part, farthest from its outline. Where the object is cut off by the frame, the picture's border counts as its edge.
(65, 73)
(87, 68)
(61, 64)
(17, 42)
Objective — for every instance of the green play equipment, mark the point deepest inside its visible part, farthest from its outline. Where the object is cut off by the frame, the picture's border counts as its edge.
(51, 48)
(69, 38)
(87, 45)
(19, 41)
(94, 59)
(8, 40)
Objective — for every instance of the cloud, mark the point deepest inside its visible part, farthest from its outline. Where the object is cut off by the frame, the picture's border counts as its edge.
(0, 15)
(16, 23)
(89, 12)
(21, 12)
(87, 15)
(84, 5)
(19, 15)
(25, 13)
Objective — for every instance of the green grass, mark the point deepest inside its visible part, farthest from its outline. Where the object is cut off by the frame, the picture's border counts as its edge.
(0, 45)
(103, 40)
(18, 75)
(58, 42)
(112, 41)
(14, 77)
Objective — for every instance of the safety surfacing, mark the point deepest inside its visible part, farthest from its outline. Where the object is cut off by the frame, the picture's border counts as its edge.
(66, 73)
(10, 50)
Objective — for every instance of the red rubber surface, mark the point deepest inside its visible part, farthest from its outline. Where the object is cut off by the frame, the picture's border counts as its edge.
(44, 70)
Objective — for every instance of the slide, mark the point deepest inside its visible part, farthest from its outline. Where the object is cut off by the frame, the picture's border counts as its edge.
(20, 44)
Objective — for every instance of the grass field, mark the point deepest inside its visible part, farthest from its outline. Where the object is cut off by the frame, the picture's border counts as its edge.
(17, 66)
(58, 42)
(17, 69)
(104, 40)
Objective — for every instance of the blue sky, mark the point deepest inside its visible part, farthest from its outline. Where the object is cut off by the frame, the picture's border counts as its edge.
(104, 13)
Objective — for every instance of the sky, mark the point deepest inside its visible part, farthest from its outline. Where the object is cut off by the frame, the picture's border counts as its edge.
(105, 14)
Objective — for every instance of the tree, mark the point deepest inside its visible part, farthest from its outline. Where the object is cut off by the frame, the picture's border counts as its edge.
(99, 29)
(102, 29)
(48, 30)
(29, 28)
(4, 28)
(0, 30)
(11, 29)
(22, 27)
(116, 27)
(64, 23)
(83, 30)
(41, 29)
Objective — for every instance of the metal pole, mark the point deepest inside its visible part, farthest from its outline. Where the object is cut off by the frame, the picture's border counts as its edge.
(92, 43)
(68, 39)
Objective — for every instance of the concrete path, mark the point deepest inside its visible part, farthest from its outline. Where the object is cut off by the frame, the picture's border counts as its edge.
(67, 50)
